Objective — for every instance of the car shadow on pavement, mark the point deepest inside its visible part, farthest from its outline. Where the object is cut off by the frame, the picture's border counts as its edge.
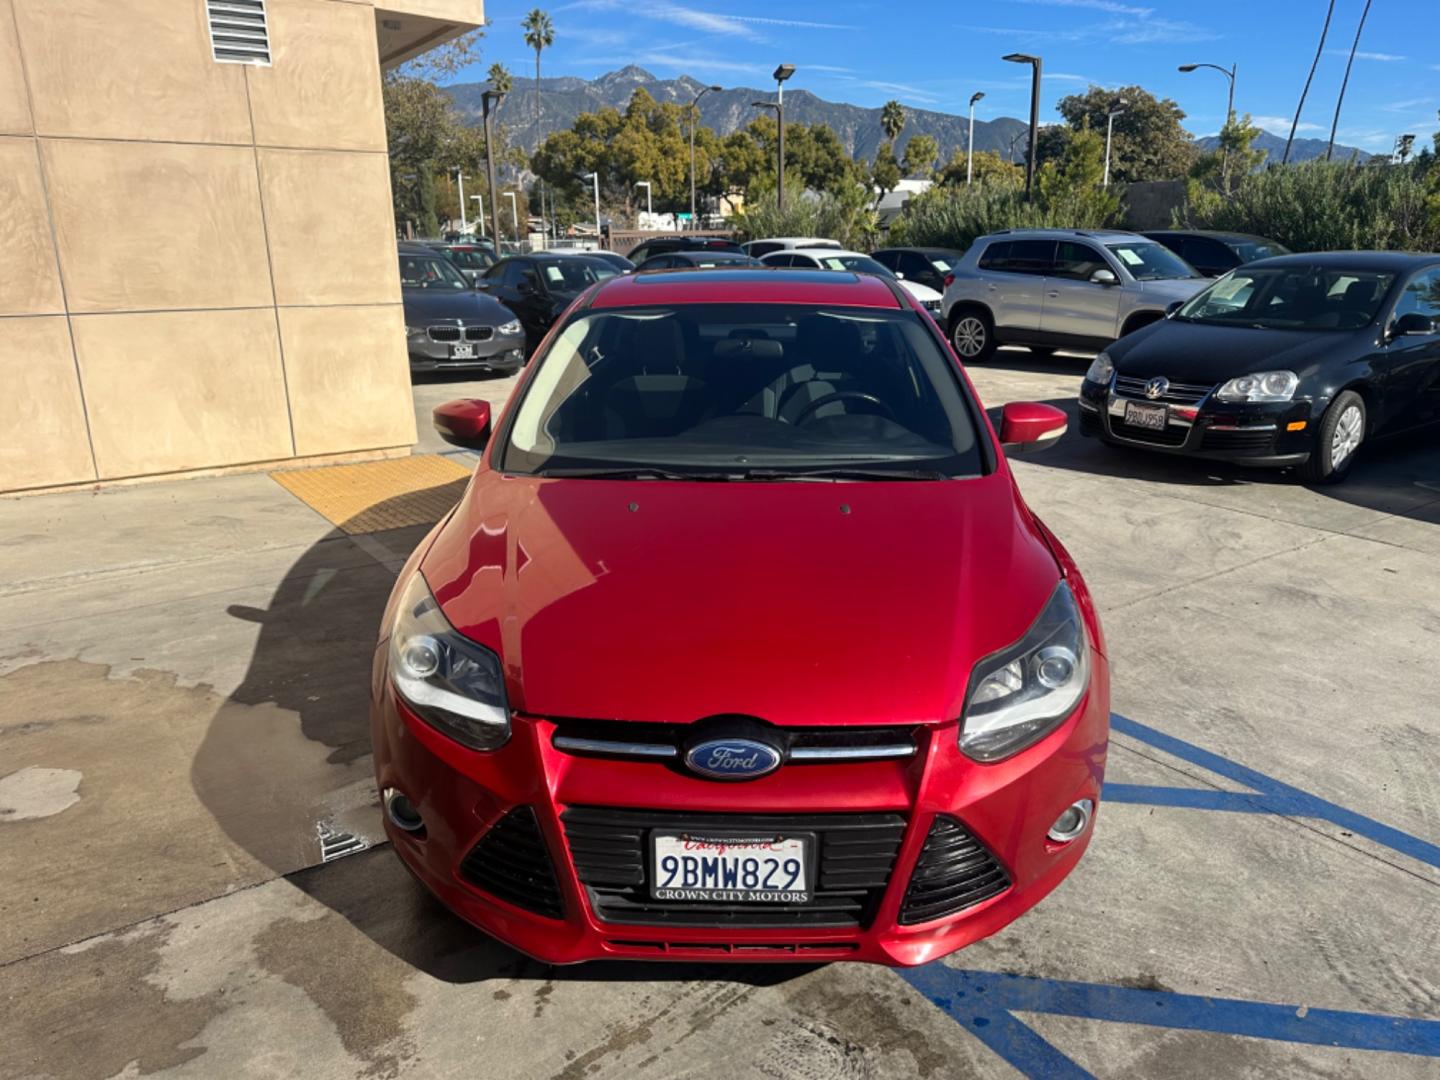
(1398, 475)
(285, 766)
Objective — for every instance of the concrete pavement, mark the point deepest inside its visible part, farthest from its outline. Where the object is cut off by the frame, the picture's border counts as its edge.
(183, 743)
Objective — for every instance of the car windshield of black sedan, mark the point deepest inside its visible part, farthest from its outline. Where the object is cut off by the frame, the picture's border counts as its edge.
(755, 391)
(1151, 262)
(430, 272)
(861, 263)
(1291, 298)
(574, 275)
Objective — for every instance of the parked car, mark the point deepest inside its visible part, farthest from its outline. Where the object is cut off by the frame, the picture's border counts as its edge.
(741, 644)
(839, 259)
(682, 260)
(761, 248)
(620, 263)
(1054, 289)
(1288, 361)
(448, 325)
(1216, 253)
(659, 245)
(925, 266)
(471, 260)
(539, 287)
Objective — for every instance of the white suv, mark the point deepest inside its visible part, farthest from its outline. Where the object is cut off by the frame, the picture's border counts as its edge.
(1054, 289)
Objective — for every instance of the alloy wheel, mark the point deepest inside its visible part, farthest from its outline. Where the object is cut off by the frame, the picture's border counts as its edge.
(969, 336)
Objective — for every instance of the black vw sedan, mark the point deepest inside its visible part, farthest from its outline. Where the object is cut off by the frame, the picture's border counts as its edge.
(1291, 361)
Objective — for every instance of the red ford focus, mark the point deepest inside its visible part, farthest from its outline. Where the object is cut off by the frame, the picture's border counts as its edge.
(742, 643)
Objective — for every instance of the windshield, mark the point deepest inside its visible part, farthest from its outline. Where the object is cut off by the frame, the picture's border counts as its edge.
(430, 272)
(860, 263)
(574, 275)
(470, 260)
(755, 391)
(1148, 261)
(942, 265)
(1291, 298)
(1252, 250)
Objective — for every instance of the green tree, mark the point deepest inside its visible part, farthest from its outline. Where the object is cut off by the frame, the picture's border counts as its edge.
(988, 167)
(1233, 158)
(920, 154)
(892, 120)
(884, 171)
(539, 35)
(1148, 141)
(499, 78)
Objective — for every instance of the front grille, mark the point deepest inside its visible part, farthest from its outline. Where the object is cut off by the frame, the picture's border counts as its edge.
(448, 334)
(1173, 435)
(610, 848)
(512, 862)
(955, 871)
(1258, 443)
(1177, 394)
(479, 333)
(630, 739)
(444, 333)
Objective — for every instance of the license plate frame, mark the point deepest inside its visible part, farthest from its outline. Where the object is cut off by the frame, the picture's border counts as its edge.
(730, 847)
(463, 351)
(1143, 415)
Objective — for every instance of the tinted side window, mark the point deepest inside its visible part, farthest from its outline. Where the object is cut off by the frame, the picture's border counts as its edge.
(760, 248)
(1076, 262)
(914, 267)
(1421, 296)
(496, 272)
(1033, 257)
(996, 256)
(780, 260)
(1208, 254)
(888, 258)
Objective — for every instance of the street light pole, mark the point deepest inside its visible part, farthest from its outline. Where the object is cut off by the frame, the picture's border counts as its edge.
(595, 176)
(1109, 131)
(490, 101)
(514, 215)
(782, 72)
(460, 176)
(649, 206)
(1035, 66)
(480, 214)
(970, 140)
(695, 119)
(1229, 74)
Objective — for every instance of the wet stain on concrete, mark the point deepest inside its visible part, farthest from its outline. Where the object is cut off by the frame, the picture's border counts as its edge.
(1144, 982)
(76, 1001)
(38, 792)
(317, 957)
(810, 1050)
(542, 997)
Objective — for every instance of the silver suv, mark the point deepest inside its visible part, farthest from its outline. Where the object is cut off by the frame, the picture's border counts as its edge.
(1054, 289)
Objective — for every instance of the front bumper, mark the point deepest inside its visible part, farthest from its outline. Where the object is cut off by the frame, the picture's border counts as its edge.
(1248, 434)
(498, 354)
(463, 795)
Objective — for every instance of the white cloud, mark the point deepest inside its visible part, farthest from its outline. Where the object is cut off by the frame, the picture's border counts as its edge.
(1111, 7)
(901, 89)
(1387, 58)
(691, 63)
(710, 22)
(1407, 105)
(1280, 125)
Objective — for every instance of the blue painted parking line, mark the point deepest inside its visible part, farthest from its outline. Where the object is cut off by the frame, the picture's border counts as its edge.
(985, 1003)
(1267, 795)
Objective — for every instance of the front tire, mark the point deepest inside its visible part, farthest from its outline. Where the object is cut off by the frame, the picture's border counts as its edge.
(972, 336)
(1337, 441)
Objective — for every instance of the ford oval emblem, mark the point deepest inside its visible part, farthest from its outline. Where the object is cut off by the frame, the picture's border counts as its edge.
(732, 759)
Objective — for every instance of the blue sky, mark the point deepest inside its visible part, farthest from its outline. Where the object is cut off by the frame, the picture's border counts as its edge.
(934, 55)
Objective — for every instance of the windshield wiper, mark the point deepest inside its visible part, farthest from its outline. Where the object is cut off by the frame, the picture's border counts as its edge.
(638, 472)
(846, 472)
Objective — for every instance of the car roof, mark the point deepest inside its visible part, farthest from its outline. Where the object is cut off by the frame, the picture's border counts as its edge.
(1381, 261)
(919, 250)
(828, 252)
(1045, 234)
(1210, 234)
(745, 285)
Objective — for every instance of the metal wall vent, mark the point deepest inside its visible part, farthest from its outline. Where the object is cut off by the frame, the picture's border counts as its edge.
(238, 33)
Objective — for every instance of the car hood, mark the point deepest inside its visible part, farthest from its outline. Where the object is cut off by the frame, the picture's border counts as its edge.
(423, 305)
(800, 603)
(1192, 353)
(1169, 289)
(918, 291)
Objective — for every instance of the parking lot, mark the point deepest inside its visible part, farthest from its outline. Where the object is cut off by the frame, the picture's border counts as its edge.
(195, 882)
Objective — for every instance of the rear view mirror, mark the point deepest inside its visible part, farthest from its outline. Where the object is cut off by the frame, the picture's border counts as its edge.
(464, 422)
(1104, 277)
(1413, 323)
(1026, 426)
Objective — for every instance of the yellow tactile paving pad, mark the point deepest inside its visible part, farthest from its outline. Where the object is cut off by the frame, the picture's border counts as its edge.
(378, 495)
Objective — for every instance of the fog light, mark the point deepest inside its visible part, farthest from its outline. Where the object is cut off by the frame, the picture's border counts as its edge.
(1072, 821)
(401, 812)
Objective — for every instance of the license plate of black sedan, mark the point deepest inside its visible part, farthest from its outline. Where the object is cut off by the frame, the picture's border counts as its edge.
(731, 868)
(1140, 415)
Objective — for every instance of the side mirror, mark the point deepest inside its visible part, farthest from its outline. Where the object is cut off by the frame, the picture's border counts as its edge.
(1104, 276)
(464, 422)
(1413, 323)
(1026, 426)
(899, 276)
(1173, 306)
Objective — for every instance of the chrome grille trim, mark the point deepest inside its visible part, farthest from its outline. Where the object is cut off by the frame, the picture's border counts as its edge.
(1178, 393)
(618, 749)
(851, 753)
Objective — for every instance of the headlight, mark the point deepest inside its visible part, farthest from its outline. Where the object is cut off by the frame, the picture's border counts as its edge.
(413, 330)
(1262, 386)
(1101, 369)
(453, 684)
(1019, 695)
(511, 327)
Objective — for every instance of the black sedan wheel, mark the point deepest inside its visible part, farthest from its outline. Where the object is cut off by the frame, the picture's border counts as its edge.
(1338, 440)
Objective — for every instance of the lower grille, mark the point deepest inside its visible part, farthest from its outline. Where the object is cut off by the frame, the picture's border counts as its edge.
(610, 848)
(1173, 435)
(955, 871)
(512, 862)
(1240, 442)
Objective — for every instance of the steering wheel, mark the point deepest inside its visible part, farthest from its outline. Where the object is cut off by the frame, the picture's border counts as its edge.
(843, 395)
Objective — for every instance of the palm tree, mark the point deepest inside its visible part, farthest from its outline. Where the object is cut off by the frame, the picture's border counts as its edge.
(501, 81)
(892, 120)
(1346, 81)
(539, 35)
(1319, 49)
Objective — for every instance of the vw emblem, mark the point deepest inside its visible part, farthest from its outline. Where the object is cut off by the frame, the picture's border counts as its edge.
(732, 759)
(1157, 387)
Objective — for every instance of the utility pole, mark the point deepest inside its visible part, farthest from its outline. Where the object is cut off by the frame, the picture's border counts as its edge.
(1229, 73)
(480, 214)
(694, 120)
(460, 176)
(1035, 66)
(970, 140)
(595, 176)
(1109, 132)
(490, 101)
(514, 215)
(649, 206)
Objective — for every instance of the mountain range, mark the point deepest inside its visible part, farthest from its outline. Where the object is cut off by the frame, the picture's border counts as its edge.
(563, 99)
